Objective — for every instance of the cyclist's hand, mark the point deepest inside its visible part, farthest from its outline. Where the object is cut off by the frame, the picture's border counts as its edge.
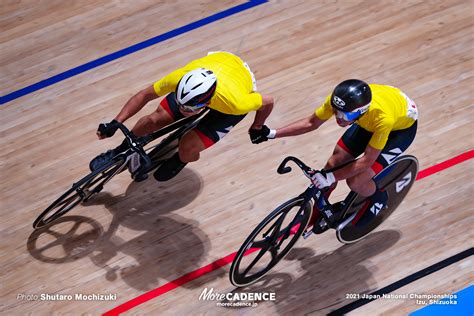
(106, 130)
(323, 180)
(258, 136)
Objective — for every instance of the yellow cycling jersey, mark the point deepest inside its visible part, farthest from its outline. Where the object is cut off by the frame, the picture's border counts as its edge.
(234, 94)
(390, 110)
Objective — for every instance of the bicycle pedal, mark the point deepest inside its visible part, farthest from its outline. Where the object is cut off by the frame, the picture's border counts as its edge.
(320, 227)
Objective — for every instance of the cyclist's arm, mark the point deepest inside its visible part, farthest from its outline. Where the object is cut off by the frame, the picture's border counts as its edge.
(299, 127)
(263, 113)
(136, 103)
(366, 161)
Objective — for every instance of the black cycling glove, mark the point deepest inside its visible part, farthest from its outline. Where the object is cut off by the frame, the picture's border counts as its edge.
(108, 129)
(258, 136)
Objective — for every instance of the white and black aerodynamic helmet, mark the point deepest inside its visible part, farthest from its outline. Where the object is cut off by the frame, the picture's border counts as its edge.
(196, 88)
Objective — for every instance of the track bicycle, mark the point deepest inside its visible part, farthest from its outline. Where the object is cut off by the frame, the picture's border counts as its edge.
(274, 237)
(137, 159)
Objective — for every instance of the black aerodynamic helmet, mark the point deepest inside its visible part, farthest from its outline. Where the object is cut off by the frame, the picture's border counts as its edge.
(352, 95)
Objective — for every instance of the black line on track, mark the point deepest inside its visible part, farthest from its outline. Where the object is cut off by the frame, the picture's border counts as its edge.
(400, 283)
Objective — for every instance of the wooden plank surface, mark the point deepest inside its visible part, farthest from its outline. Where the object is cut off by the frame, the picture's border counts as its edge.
(136, 237)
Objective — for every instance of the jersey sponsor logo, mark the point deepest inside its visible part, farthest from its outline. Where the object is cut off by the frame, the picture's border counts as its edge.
(376, 208)
(338, 102)
(391, 155)
(403, 183)
(412, 111)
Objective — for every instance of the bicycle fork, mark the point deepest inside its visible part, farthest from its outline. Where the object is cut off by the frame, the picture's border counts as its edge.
(320, 207)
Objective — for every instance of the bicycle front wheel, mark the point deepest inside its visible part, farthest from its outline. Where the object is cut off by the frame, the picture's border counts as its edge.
(270, 241)
(81, 191)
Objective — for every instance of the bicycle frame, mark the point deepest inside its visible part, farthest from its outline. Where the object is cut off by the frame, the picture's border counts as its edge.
(181, 126)
(84, 189)
(136, 144)
(311, 193)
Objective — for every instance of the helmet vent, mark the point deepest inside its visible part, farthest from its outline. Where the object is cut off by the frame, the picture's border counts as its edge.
(194, 88)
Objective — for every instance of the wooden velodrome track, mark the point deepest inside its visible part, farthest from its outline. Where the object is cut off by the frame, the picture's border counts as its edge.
(137, 237)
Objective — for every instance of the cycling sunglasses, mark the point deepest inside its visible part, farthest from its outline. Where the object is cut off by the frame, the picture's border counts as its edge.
(192, 108)
(351, 116)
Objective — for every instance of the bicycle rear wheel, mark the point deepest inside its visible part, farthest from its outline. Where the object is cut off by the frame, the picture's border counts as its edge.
(397, 180)
(81, 191)
(279, 231)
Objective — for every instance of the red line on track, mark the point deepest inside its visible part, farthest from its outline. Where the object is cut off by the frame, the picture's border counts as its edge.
(171, 285)
(445, 164)
(228, 259)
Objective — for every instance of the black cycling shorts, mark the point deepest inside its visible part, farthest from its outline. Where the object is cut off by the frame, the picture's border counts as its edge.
(212, 128)
(355, 140)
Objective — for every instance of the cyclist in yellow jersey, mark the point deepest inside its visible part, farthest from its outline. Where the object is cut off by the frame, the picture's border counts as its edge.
(220, 81)
(383, 123)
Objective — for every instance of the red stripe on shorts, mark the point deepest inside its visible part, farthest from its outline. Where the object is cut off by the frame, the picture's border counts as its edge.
(164, 104)
(377, 167)
(205, 140)
(343, 146)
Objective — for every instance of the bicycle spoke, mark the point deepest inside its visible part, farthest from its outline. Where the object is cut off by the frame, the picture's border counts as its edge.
(282, 217)
(274, 253)
(281, 239)
(268, 243)
(260, 244)
(287, 230)
(268, 230)
(258, 257)
(277, 227)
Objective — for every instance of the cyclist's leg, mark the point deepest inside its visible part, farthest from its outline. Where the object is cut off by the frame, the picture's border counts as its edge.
(362, 183)
(165, 114)
(351, 145)
(161, 117)
(338, 157)
(397, 143)
(212, 128)
(190, 146)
